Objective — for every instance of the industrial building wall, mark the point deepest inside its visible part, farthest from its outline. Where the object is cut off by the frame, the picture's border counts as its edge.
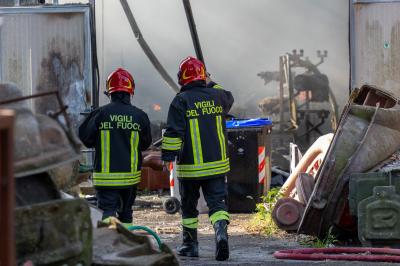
(376, 44)
(47, 51)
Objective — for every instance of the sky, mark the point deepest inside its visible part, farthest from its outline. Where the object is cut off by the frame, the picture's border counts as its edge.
(239, 38)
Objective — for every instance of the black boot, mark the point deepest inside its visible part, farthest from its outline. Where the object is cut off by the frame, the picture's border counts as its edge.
(190, 246)
(221, 240)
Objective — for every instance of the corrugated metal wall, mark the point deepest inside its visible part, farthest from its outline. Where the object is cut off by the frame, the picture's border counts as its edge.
(376, 44)
(47, 51)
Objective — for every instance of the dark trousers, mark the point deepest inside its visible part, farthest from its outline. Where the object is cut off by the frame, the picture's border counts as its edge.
(117, 202)
(214, 191)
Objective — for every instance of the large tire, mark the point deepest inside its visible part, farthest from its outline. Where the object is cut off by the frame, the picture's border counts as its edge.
(171, 205)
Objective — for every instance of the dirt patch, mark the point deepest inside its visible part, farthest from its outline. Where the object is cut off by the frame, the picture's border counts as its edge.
(245, 248)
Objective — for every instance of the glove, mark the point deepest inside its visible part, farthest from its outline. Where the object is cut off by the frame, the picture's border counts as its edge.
(165, 166)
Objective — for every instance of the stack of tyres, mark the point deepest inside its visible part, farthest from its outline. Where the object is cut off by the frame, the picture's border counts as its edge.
(249, 144)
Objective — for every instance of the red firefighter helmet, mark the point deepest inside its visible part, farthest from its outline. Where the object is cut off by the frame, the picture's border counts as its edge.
(120, 80)
(191, 69)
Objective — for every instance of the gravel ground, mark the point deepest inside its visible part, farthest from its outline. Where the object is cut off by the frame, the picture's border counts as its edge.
(245, 248)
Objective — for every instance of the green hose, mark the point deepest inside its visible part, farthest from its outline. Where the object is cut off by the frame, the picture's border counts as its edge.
(148, 230)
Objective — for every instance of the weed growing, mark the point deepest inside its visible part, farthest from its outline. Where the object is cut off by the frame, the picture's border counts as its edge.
(262, 222)
(329, 241)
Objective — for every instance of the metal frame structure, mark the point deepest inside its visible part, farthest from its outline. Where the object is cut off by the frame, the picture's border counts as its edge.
(7, 191)
(287, 62)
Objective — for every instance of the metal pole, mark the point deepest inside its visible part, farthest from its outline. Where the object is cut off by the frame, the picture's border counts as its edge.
(7, 192)
(145, 47)
(193, 31)
(281, 92)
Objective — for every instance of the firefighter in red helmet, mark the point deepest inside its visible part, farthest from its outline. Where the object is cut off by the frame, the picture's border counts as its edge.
(119, 132)
(196, 137)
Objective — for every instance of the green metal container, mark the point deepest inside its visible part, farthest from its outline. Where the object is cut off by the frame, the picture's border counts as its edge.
(379, 218)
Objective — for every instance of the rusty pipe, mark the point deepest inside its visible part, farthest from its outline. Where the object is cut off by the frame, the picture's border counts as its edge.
(318, 149)
(7, 190)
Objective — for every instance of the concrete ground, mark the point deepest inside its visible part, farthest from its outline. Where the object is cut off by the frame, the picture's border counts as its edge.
(245, 248)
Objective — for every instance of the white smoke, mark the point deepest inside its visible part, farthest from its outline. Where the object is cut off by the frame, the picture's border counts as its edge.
(239, 38)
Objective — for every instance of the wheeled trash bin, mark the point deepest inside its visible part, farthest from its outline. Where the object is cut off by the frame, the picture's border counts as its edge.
(249, 144)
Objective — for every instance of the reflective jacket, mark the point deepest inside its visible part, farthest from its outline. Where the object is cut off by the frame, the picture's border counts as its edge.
(195, 132)
(119, 132)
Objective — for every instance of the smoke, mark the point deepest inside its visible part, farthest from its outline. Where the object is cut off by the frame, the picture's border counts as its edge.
(239, 39)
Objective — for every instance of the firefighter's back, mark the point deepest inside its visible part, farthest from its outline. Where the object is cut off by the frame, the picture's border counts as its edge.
(205, 144)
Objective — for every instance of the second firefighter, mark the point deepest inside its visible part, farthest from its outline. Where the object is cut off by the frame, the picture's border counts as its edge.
(196, 137)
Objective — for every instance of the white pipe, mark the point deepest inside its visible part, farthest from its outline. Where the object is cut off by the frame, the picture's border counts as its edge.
(319, 147)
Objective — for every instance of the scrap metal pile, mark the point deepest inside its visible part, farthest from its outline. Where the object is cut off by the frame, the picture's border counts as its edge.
(49, 228)
(303, 107)
(354, 191)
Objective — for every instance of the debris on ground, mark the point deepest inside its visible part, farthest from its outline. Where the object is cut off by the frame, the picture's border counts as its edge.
(367, 140)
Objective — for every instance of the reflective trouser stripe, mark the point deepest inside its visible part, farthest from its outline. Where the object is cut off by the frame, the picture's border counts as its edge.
(105, 151)
(134, 150)
(221, 137)
(196, 141)
(190, 222)
(219, 215)
(116, 179)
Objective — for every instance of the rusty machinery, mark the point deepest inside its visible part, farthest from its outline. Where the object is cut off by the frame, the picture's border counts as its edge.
(355, 192)
(304, 103)
(44, 161)
(52, 229)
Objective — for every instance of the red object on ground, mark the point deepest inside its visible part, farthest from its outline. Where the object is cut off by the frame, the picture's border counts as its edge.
(153, 160)
(153, 180)
(349, 254)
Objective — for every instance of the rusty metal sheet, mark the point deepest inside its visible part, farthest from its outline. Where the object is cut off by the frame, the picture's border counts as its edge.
(7, 191)
(375, 44)
(48, 48)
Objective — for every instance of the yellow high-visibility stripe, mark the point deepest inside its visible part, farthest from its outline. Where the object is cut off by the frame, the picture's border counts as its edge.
(190, 222)
(217, 86)
(134, 150)
(172, 140)
(171, 144)
(219, 215)
(221, 137)
(196, 141)
(203, 166)
(206, 172)
(105, 151)
(170, 147)
(116, 179)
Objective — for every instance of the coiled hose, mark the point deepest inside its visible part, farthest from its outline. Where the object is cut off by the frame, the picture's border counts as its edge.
(148, 230)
